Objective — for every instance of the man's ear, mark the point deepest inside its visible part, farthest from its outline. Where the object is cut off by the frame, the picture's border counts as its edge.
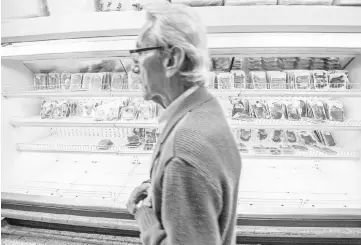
(174, 61)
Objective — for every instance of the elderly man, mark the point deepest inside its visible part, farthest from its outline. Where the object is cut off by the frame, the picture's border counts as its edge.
(192, 195)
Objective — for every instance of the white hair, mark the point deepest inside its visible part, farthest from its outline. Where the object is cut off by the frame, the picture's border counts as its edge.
(178, 25)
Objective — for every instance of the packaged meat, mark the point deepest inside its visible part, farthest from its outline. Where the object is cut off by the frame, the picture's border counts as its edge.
(150, 136)
(96, 82)
(140, 132)
(274, 151)
(249, 2)
(305, 2)
(262, 134)
(319, 137)
(260, 149)
(277, 109)
(73, 107)
(294, 109)
(53, 81)
(259, 109)
(301, 79)
(287, 149)
(277, 79)
(61, 110)
(245, 134)
(334, 110)
(221, 63)
(134, 81)
(211, 81)
(89, 107)
(241, 108)
(303, 63)
(86, 84)
(338, 79)
(239, 79)
(114, 5)
(317, 110)
(320, 79)
(105, 144)
(237, 63)
(291, 136)
(329, 139)
(101, 112)
(278, 136)
(40, 81)
(258, 79)
(106, 83)
(287, 63)
(118, 81)
(270, 63)
(46, 109)
(300, 147)
(254, 64)
(199, 3)
(225, 80)
(307, 138)
(145, 111)
(113, 110)
(76, 81)
(128, 112)
(65, 81)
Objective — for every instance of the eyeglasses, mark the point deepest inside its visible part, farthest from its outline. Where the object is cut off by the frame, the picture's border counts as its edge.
(134, 53)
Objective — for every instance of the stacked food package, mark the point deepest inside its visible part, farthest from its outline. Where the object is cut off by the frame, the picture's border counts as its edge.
(284, 142)
(125, 109)
(293, 109)
(93, 82)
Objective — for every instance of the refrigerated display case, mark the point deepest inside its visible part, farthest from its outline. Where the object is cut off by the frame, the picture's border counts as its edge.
(77, 136)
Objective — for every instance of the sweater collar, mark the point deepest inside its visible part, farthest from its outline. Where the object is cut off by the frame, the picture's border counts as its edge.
(174, 107)
(183, 105)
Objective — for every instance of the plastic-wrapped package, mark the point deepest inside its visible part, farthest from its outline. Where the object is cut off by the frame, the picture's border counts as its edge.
(277, 79)
(250, 2)
(239, 79)
(316, 110)
(245, 134)
(329, 139)
(46, 108)
(128, 112)
(86, 84)
(145, 111)
(338, 79)
(291, 136)
(294, 109)
(259, 109)
(258, 79)
(113, 110)
(114, 5)
(300, 148)
(287, 149)
(61, 110)
(150, 136)
(307, 138)
(221, 63)
(320, 79)
(40, 81)
(76, 81)
(65, 81)
(254, 64)
(241, 108)
(89, 107)
(134, 81)
(277, 109)
(334, 110)
(278, 136)
(287, 63)
(332, 63)
(96, 82)
(105, 144)
(302, 79)
(119, 81)
(319, 137)
(237, 63)
(225, 80)
(305, 2)
(199, 3)
(53, 81)
(101, 112)
(317, 63)
(270, 63)
(262, 134)
(106, 83)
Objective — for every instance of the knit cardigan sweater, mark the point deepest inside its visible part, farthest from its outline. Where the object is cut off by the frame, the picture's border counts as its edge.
(194, 178)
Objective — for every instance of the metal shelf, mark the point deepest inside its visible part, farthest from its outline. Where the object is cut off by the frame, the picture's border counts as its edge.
(217, 92)
(348, 125)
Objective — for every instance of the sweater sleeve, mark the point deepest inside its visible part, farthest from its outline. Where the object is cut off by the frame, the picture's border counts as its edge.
(190, 209)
